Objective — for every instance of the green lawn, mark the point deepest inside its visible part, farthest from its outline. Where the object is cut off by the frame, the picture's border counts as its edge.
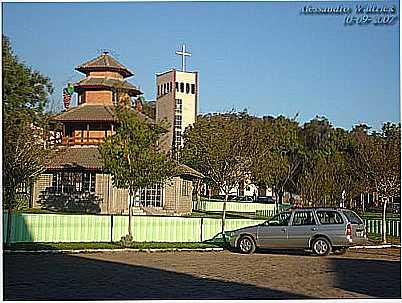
(376, 239)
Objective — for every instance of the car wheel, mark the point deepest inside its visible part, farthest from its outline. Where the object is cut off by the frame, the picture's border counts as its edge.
(321, 246)
(246, 245)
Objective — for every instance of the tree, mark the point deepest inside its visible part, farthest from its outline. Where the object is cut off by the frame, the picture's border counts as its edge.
(132, 156)
(379, 163)
(25, 151)
(277, 153)
(217, 145)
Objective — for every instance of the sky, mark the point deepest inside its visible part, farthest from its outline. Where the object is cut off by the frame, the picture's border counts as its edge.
(265, 57)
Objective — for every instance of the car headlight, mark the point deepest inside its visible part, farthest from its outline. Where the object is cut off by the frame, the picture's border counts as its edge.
(230, 234)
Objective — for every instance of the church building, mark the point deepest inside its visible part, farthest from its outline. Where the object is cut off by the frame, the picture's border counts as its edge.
(75, 179)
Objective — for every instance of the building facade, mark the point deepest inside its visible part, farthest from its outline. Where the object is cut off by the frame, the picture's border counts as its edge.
(75, 178)
(176, 104)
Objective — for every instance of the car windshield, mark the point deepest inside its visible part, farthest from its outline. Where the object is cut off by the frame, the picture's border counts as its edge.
(281, 219)
(352, 217)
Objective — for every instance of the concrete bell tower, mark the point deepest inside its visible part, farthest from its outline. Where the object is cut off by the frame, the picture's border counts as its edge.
(176, 102)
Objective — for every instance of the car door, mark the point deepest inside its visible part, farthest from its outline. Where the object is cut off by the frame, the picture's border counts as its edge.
(273, 233)
(301, 229)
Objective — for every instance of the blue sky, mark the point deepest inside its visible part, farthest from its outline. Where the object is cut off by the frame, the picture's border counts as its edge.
(262, 56)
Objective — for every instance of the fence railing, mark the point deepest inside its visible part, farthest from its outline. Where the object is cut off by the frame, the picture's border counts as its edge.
(107, 228)
(241, 207)
(375, 227)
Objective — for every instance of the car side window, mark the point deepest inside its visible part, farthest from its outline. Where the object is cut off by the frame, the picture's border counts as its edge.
(329, 217)
(303, 218)
(281, 219)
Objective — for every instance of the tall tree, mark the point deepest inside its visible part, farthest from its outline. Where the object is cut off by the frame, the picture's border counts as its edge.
(277, 153)
(133, 158)
(25, 152)
(217, 145)
(380, 163)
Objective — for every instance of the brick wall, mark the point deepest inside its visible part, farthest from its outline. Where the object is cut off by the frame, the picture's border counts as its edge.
(98, 97)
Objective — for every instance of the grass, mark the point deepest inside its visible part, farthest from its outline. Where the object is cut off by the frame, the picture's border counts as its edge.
(378, 216)
(376, 239)
(107, 245)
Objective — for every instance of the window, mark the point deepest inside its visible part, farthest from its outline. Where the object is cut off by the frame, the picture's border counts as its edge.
(177, 86)
(185, 188)
(281, 219)
(179, 106)
(170, 87)
(177, 121)
(193, 89)
(352, 217)
(303, 218)
(187, 88)
(114, 97)
(181, 87)
(151, 196)
(329, 217)
(164, 88)
(159, 90)
(69, 182)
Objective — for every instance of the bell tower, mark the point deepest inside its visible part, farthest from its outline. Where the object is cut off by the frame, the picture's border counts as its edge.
(176, 102)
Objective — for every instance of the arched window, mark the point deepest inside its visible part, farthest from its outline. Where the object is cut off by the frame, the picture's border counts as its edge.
(193, 88)
(177, 86)
(182, 87)
(159, 91)
(187, 88)
(170, 86)
(164, 88)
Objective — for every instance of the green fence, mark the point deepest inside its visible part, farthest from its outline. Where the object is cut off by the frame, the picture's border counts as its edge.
(239, 207)
(107, 228)
(375, 227)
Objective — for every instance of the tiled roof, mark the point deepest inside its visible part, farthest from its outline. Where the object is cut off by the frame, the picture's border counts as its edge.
(87, 112)
(104, 62)
(90, 158)
(109, 82)
(76, 157)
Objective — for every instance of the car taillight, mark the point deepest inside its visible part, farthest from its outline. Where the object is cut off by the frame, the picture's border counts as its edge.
(349, 229)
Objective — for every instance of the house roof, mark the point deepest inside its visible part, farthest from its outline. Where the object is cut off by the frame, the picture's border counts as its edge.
(187, 170)
(87, 112)
(92, 112)
(76, 157)
(90, 158)
(109, 83)
(104, 62)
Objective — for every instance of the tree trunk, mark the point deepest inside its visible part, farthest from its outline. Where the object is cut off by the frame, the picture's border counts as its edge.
(384, 222)
(9, 226)
(130, 215)
(224, 217)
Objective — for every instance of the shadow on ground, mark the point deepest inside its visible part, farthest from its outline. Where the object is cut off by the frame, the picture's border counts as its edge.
(66, 277)
(377, 278)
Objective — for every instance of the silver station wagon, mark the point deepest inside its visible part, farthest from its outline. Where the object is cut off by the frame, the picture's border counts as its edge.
(321, 230)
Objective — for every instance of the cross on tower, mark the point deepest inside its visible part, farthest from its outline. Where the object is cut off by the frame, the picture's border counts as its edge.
(183, 55)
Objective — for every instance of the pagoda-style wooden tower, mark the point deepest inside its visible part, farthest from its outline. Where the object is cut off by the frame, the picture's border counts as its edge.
(98, 93)
(75, 179)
